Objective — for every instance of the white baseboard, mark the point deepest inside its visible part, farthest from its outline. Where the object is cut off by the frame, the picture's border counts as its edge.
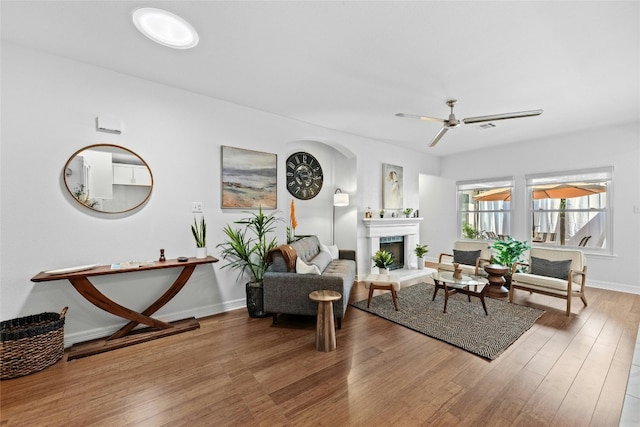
(198, 312)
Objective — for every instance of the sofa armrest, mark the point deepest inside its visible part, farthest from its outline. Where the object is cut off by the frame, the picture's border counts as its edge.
(347, 254)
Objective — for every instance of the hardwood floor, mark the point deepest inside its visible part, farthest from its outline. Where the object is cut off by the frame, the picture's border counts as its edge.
(568, 371)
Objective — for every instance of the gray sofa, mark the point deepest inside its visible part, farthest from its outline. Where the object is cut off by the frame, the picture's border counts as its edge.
(288, 292)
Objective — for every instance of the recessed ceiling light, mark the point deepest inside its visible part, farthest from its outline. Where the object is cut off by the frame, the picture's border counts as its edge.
(165, 28)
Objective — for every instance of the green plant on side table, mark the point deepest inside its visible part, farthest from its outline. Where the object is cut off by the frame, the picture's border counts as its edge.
(509, 251)
(382, 259)
(246, 250)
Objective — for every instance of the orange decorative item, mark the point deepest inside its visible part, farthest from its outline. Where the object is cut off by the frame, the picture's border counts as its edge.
(292, 215)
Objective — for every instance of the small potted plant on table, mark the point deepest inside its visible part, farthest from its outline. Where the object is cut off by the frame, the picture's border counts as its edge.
(199, 232)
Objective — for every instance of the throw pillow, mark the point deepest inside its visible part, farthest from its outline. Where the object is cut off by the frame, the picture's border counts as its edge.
(466, 257)
(332, 250)
(545, 267)
(321, 260)
(303, 268)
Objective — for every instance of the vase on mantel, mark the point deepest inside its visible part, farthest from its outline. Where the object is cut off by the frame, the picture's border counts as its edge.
(201, 252)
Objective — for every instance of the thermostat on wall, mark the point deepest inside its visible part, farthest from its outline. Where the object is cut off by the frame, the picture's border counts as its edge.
(109, 124)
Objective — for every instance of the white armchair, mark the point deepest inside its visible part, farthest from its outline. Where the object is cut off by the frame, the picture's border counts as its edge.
(472, 255)
(555, 272)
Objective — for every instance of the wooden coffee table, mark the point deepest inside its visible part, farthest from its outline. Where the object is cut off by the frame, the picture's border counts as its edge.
(470, 286)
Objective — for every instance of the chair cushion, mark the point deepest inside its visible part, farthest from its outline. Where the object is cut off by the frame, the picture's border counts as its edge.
(544, 267)
(466, 257)
(545, 283)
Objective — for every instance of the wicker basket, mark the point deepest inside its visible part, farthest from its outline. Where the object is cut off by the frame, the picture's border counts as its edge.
(30, 344)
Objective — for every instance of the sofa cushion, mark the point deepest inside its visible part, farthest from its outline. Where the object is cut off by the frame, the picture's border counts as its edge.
(466, 257)
(529, 280)
(332, 250)
(321, 260)
(304, 268)
(544, 267)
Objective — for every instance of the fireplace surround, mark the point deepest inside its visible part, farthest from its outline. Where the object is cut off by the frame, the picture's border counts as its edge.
(408, 228)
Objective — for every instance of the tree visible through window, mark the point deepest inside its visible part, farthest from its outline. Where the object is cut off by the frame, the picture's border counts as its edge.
(571, 209)
(484, 209)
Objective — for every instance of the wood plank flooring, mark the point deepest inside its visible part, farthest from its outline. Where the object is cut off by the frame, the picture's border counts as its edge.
(565, 371)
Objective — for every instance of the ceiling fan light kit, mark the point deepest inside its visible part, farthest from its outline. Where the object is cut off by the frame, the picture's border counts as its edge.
(453, 122)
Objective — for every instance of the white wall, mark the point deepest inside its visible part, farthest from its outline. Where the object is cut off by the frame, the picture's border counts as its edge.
(616, 146)
(49, 106)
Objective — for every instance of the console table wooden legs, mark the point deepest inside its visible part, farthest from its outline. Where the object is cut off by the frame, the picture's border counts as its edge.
(126, 335)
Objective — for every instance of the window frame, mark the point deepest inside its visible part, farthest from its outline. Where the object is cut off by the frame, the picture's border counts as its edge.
(592, 175)
(483, 184)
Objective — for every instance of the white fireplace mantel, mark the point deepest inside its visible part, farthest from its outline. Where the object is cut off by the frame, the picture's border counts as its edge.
(409, 228)
(384, 227)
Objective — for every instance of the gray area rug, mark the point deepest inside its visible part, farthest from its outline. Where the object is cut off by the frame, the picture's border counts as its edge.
(464, 325)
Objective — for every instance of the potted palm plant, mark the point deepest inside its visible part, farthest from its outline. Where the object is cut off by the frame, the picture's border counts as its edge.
(199, 232)
(382, 259)
(246, 250)
(420, 251)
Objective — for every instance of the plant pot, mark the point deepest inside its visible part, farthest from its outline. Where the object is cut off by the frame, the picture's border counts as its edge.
(420, 263)
(255, 300)
(383, 271)
(201, 252)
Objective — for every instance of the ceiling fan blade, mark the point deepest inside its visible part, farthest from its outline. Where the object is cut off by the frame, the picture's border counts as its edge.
(439, 135)
(494, 117)
(427, 118)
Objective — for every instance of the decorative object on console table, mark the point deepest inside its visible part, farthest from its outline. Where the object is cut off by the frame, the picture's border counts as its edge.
(248, 254)
(200, 235)
(420, 252)
(382, 259)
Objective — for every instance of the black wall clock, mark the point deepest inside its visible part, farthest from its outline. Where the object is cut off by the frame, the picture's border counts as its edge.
(304, 176)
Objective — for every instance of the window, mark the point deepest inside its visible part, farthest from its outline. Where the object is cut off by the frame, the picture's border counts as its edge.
(571, 209)
(484, 209)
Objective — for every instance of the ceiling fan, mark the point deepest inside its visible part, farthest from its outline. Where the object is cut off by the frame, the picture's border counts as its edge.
(452, 122)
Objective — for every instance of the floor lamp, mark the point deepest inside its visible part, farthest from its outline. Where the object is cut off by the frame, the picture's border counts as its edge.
(339, 199)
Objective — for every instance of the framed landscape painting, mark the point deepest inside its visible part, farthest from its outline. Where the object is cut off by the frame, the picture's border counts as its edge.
(249, 179)
(392, 187)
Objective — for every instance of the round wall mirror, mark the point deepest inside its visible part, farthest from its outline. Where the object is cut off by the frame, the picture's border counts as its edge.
(108, 178)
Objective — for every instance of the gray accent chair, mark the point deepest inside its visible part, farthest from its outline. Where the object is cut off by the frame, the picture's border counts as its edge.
(288, 292)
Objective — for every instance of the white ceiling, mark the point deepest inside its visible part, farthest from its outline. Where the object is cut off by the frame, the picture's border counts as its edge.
(351, 65)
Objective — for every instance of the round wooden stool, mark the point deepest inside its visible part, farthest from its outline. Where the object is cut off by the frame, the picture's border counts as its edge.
(325, 326)
(496, 279)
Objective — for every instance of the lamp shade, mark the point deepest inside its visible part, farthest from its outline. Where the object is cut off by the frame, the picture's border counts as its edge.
(340, 199)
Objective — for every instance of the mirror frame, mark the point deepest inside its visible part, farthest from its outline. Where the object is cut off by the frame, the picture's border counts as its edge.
(89, 147)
